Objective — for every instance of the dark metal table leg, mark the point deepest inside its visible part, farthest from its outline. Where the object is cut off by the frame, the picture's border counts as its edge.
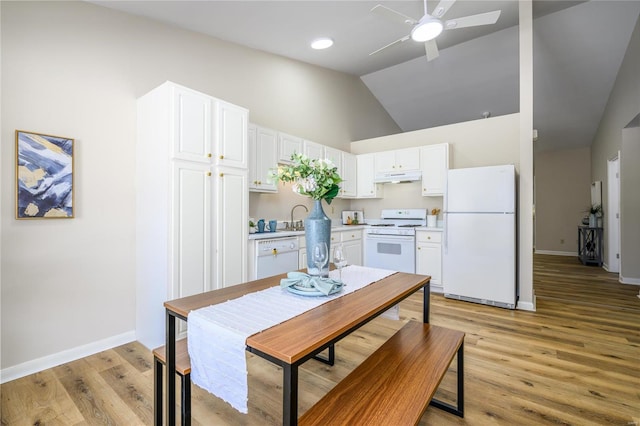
(186, 400)
(171, 368)
(290, 395)
(426, 290)
(158, 372)
(461, 380)
(331, 357)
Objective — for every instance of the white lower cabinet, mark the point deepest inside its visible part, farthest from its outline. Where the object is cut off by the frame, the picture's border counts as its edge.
(352, 245)
(302, 254)
(429, 257)
(351, 242)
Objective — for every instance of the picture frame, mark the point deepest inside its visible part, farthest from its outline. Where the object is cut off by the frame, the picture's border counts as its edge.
(44, 176)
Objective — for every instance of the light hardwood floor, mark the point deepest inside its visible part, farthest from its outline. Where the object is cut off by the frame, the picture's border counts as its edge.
(576, 361)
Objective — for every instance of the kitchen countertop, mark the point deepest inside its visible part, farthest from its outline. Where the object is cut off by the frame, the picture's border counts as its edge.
(282, 233)
(426, 228)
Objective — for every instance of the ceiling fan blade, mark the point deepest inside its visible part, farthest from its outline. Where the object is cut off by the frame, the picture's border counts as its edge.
(393, 15)
(472, 20)
(431, 49)
(442, 8)
(400, 40)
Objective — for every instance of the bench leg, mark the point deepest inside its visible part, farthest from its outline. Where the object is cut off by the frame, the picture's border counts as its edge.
(459, 410)
(186, 400)
(157, 391)
(331, 359)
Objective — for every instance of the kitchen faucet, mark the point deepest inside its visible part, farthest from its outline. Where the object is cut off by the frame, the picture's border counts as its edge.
(293, 227)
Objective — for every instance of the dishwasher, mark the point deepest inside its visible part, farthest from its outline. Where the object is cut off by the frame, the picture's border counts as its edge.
(276, 256)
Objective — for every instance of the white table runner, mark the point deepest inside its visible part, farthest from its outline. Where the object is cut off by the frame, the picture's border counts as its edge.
(217, 334)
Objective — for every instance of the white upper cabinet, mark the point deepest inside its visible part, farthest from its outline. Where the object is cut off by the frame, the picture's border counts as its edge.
(313, 150)
(365, 171)
(435, 163)
(263, 159)
(349, 176)
(191, 125)
(335, 156)
(287, 146)
(398, 160)
(231, 133)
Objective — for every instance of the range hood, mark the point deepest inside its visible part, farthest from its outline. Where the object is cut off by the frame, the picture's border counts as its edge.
(398, 177)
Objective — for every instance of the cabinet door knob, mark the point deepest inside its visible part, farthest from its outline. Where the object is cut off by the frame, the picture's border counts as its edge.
(221, 174)
(208, 173)
(419, 248)
(209, 155)
(222, 157)
(428, 238)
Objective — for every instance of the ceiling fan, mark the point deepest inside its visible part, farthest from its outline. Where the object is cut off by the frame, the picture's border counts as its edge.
(427, 28)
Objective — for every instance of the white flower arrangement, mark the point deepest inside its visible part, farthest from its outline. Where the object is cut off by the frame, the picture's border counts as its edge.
(317, 179)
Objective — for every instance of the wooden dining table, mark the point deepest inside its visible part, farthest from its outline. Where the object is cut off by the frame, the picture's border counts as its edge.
(293, 342)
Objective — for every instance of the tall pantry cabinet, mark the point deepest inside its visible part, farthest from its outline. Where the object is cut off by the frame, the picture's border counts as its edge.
(191, 201)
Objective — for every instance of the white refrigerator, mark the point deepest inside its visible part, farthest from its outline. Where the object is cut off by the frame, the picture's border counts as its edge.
(479, 250)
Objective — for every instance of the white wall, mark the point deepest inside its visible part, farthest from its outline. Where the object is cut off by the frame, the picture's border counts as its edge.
(75, 69)
(563, 182)
(622, 107)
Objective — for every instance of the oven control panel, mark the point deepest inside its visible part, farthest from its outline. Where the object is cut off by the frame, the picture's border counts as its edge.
(392, 230)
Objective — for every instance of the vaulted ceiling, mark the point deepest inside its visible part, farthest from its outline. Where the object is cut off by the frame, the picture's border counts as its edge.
(578, 49)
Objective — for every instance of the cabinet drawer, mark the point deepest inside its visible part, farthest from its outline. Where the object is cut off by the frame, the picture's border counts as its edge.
(429, 237)
(335, 237)
(352, 235)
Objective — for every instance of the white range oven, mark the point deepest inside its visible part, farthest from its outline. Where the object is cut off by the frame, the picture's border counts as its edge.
(390, 242)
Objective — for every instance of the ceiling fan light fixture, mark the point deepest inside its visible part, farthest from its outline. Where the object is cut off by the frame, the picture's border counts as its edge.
(427, 29)
(321, 43)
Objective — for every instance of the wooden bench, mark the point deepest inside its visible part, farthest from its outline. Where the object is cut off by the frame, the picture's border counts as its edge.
(183, 369)
(396, 384)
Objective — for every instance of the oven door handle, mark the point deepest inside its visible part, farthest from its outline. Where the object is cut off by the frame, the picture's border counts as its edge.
(393, 238)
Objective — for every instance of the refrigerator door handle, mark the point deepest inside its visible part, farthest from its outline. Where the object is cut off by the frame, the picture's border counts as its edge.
(446, 246)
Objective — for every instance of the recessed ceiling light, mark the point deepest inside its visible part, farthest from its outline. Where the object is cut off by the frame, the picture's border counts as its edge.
(321, 43)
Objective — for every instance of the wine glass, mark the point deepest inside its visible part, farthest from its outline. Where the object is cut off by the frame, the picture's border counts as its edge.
(339, 259)
(320, 256)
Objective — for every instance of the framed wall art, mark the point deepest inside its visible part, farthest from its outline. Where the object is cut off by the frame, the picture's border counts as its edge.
(44, 176)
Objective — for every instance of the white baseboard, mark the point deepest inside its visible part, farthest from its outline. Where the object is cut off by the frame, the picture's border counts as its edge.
(557, 253)
(527, 306)
(632, 281)
(50, 361)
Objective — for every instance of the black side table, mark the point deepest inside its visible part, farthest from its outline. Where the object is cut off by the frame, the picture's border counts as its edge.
(590, 245)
